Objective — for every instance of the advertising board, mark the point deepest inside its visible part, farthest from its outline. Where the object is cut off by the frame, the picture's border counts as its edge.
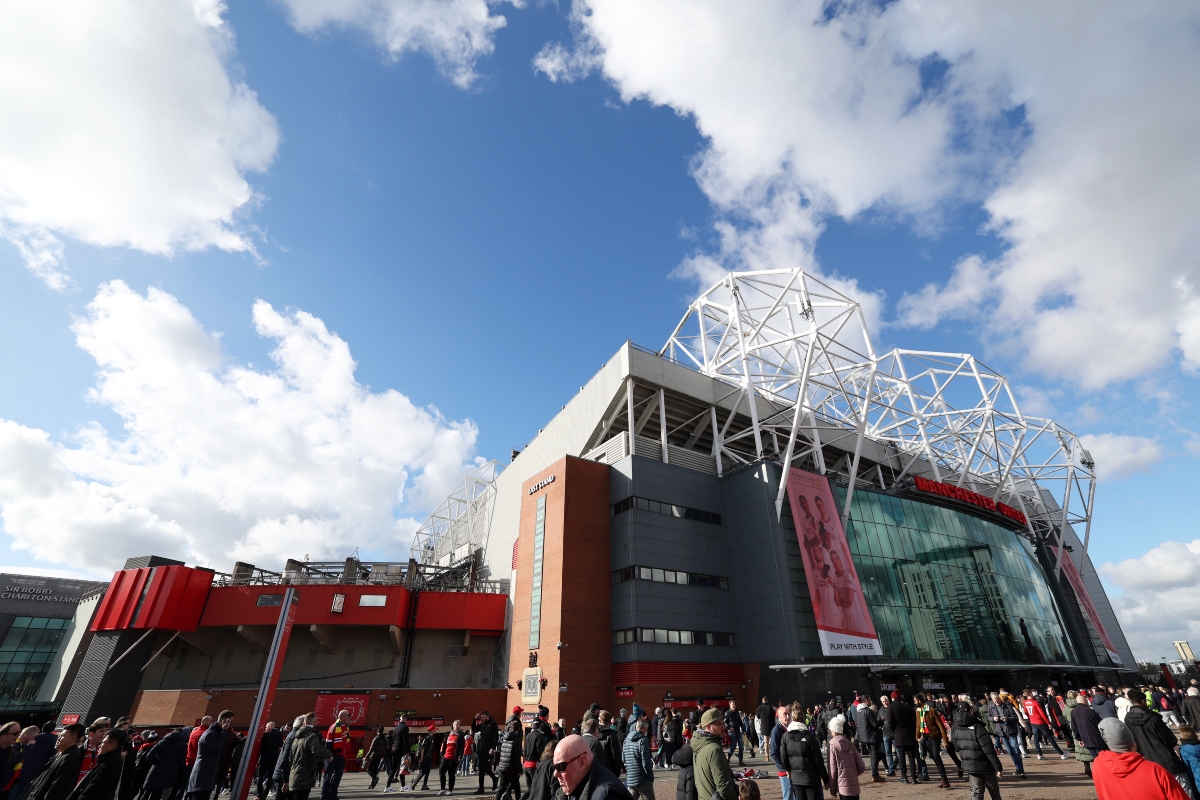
(330, 704)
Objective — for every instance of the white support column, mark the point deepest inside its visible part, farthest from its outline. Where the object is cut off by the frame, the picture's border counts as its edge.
(716, 440)
(862, 431)
(662, 424)
(797, 412)
(1087, 529)
(629, 412)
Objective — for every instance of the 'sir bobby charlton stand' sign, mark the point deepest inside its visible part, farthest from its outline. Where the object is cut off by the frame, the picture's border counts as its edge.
(843, 621)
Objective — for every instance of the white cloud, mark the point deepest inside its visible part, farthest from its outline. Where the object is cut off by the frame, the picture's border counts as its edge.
(822, 107)
(1118, 456)
(1160, 603)
(221, 461)
(123, 128)
(454, 33)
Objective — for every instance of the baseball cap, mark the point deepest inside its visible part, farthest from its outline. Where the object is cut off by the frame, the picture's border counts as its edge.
(517, 709)
(432, 728)
(711, 716)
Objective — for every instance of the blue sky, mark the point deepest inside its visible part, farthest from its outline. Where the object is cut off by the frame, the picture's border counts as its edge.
(484, 249)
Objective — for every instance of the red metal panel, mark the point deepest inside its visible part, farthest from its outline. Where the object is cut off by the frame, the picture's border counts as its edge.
(674, 672)
(175, 599)
(120, 600)
(237, 605)
(461, 611)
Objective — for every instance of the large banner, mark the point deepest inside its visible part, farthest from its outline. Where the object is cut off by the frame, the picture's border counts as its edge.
(843, 621)
(330, 704)
(1076, 582)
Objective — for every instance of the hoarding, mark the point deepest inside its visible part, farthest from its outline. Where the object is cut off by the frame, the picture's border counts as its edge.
(843, 620)
(1068, 567)
(330, 704)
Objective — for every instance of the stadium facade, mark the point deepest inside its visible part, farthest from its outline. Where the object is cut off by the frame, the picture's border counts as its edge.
(764, 506)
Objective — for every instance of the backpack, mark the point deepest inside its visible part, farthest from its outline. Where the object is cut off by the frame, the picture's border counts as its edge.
(1165, 703)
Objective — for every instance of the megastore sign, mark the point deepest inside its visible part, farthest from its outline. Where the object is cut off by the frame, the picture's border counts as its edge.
(967, 496)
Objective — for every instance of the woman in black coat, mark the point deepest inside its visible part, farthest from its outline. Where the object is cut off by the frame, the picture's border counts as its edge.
(903, 719)
(800, 754)
(976, 752)
(164, 761)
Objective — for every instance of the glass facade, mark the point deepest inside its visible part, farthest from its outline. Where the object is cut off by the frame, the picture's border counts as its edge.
(25, 656)
(539, 545)
(945, 584)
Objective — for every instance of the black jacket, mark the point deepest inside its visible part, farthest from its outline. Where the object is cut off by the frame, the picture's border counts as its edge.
(543, 785)
(1086, 723)
(398, 739)
(166, 759)
(733, 722)
(535, 742)
(601, 785)
(885, 722)
(1009, 724)
(268, 750)
(1153, 739)
(487, 736)
(283, 764)
(102, 780)
(685, 784)
(510, 751)
(800, 753)
(869, 730)
(37, 755)
(973, 743)
(58, 778)
(903, 719)
(612, 743)
(1053, 711)
(766, 717)
(1190, 708)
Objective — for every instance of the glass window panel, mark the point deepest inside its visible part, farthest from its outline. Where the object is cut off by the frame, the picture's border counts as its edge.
(657, 575)
(644, 573)
(724, 583)
(685, 637)
(669, 576)
(673, 637)
(21, 622)
(683, 577)
(660, 635)
(647, 634)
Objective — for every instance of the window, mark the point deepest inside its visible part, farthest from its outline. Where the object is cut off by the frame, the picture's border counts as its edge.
(655, 507)
(663, 636)
(372, 599)
(669, 576)
(269, 600)
(535, 610)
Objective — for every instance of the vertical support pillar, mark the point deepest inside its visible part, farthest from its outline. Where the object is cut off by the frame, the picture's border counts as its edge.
(862, 431)
(662, 424)
(266, 695)
(629, 411)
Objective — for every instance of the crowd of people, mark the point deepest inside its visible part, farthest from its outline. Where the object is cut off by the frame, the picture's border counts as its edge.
(1123, 740)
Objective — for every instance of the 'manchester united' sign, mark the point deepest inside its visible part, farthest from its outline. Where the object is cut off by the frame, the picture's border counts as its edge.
(958, 493)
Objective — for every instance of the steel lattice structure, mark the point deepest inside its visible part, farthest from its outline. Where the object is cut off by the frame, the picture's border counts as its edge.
(463, 520)
(804, 351)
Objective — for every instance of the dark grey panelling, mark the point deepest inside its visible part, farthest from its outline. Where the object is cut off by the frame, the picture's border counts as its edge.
(766, 607)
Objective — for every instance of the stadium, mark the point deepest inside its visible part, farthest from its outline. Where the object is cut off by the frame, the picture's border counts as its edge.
(762, 506)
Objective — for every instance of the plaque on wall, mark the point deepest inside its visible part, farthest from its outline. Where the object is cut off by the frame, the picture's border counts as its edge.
(531, 685)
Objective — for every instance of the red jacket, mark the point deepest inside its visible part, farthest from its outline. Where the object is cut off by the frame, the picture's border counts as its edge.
(1128, 776)
(194, 743)
(1033, 710)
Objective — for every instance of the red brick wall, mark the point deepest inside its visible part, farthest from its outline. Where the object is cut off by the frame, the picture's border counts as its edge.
(576, 588)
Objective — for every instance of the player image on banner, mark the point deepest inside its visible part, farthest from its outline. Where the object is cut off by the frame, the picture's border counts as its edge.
(843, 620)
(1073, 578)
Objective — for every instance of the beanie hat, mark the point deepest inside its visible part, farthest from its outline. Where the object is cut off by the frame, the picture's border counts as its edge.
(837, 724)
(711, 716)
(1116, 735)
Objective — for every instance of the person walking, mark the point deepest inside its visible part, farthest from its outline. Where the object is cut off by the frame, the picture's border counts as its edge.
(933, 736)
(903, 719)
(376, 755)
(1190, 708)
(451, 752)
(398, 747)
(1086, 724)
(487, 737)
(612, 744)
(268, 754)
(58, 778)
(165, 762)
(337, 742)
(976, 753)
(209, 749)
(1155, 742)
(1121, 773)
(104, 778)
(764, 715)
(307, 755)
(885, 730)
(870, 738)
(783, 718)
(668, 739)
(685, 784)
(845, 762)
(639, 766)
(535, 742)
(733, 729)
(509, 762)
(1165, 705)
(1106, 707)
(283, 764)
(800, 752)
(1189, 750)
(1040, 725)
(714, 778)
(1004, 718)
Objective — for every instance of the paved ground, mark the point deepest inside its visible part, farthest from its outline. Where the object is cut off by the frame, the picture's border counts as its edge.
(1052, 779)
